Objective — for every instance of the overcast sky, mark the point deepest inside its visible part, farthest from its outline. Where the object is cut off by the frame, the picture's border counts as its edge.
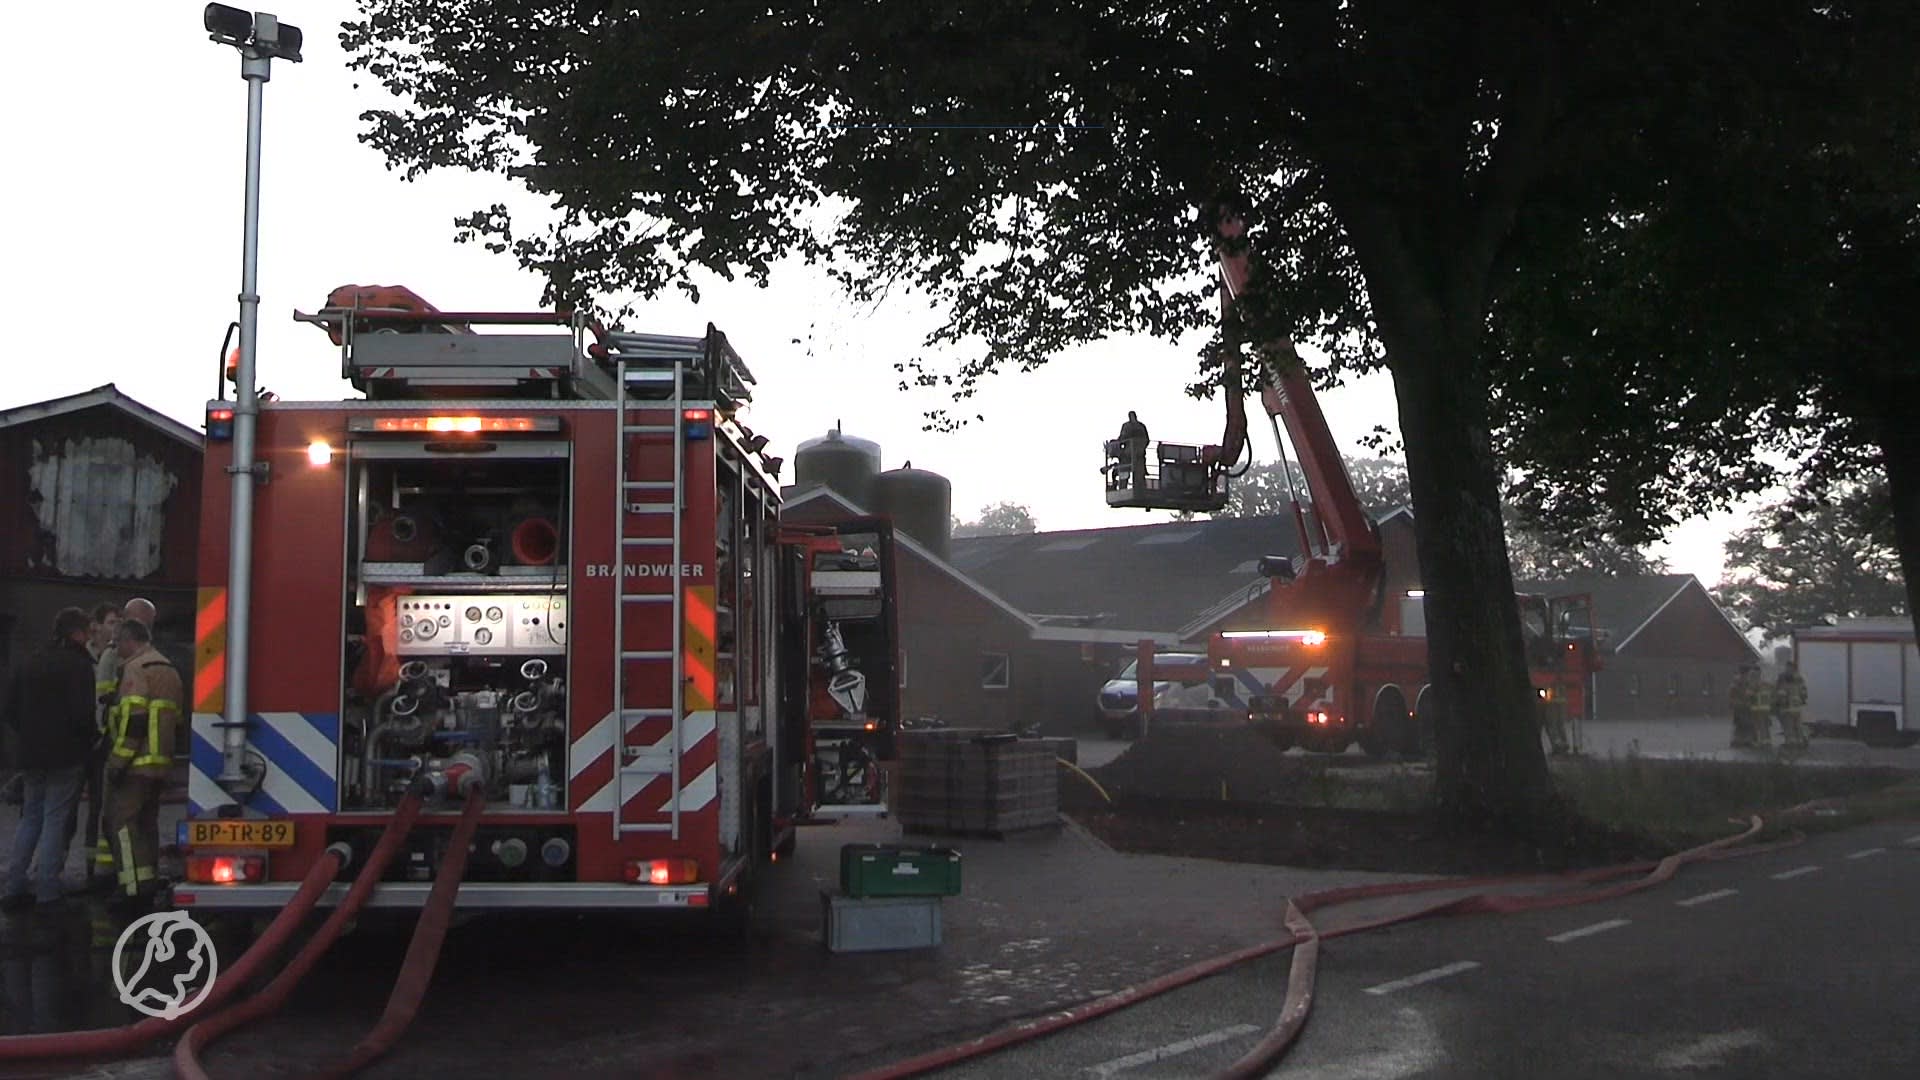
(124, 264)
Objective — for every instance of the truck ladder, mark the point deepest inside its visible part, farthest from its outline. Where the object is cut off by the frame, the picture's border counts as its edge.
(639, 499)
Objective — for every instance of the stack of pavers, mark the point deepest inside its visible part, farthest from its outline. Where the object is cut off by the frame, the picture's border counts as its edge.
(977, 783)
(890, 897)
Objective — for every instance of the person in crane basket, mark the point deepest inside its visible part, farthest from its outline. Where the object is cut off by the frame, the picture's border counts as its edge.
(1132, 448)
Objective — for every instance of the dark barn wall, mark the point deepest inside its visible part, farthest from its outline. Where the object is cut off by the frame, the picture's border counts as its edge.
(1064, 693)
(97, 496)
(96, 506)
(1680, 665)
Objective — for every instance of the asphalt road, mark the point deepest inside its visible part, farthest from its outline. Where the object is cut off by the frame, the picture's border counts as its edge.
(1803, 962)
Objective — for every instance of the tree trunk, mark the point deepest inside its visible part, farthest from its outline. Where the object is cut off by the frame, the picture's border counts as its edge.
(1900, 456)
(1492, 773)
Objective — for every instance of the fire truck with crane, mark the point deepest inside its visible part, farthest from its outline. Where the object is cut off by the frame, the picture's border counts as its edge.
(1333, 658)
(534, 582)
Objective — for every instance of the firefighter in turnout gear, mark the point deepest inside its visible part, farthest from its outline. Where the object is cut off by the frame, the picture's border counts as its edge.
(106, 690)
(1760, 707)
(1789, 698)
(139, 758)
(1553, 717)
(1740, 699)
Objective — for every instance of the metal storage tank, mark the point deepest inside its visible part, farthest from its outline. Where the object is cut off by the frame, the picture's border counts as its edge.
(842, 462)
(920, 504)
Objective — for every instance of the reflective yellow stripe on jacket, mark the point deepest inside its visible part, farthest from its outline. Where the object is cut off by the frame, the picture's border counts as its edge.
(155, 747)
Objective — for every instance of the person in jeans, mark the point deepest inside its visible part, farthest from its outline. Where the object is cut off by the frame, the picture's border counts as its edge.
(106, 680)
(49, 703)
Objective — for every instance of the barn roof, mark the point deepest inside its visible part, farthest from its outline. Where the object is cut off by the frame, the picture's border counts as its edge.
(111, 397)
(1626, 604)
(1141, 576)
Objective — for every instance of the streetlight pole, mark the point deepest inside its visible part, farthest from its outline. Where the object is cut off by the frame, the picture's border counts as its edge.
(259, 37)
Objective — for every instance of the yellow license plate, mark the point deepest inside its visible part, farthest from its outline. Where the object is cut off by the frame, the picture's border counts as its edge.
(254, 834)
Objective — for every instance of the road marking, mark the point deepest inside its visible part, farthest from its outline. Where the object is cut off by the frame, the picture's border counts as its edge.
(1911, 840)
(1794, 873)
(1708, 898)
(1596, 928)
(1709, 1051)
(1423, 977)
(1867, 852)
(1174, 1049)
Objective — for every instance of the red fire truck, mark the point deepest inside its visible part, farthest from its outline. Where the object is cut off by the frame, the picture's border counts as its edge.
(1333, 658)
(543, 560)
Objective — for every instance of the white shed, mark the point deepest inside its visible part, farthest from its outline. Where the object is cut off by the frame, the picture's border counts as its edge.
(1862, 675)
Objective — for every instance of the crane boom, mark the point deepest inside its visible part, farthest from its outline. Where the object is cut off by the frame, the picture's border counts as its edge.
(1343, 527)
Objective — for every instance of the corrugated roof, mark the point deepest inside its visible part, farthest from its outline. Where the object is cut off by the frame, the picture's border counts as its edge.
(1153, 577)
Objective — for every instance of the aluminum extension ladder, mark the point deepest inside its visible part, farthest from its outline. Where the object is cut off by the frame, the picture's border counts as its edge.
(639, 499)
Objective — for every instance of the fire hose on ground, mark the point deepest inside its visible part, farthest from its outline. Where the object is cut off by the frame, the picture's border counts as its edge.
(1305, 939)
(114, 1042)
(421, 955)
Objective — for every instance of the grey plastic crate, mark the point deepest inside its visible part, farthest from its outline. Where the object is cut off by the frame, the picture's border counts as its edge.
(880, 923)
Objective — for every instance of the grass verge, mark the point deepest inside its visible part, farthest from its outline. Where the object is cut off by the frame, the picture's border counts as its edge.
(1683, 803)
(1221, 796)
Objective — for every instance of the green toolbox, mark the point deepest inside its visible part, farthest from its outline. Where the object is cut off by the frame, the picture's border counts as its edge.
(896, 870)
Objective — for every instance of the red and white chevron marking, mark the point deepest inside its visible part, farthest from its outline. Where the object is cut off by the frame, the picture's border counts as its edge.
(591, 779)
(1290, 683)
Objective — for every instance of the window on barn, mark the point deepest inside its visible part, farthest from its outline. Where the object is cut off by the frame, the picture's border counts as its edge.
(994, 671)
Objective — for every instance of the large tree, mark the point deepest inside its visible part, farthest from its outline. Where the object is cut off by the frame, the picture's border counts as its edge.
(1814, 557)
(1541, 554)
(1266, 489)
(1711, 332)
(1052, 173)
(1000, 519)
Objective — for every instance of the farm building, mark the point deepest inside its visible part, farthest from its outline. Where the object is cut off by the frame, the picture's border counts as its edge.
(971, 658)
(102, 501)
(1012, 630)
(1673, 652)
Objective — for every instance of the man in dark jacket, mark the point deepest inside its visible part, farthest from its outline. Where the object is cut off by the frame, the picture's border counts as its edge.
(49, 704)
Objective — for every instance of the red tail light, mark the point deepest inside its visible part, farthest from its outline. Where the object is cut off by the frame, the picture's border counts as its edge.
(226, 869)
(662, 871)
